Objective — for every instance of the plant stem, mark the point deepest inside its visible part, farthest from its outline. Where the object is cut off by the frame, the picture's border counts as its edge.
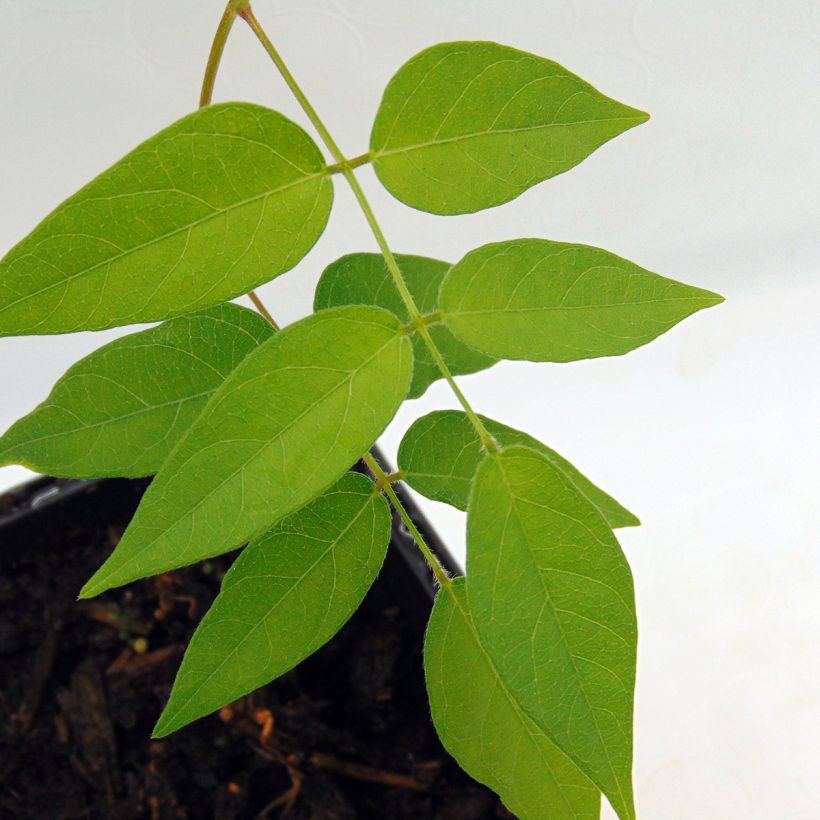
(345, 166)
(385, 484)
(260, 306)
(217, 49)
(242, 8)
(355, 162)
(207, 92)
(248, 16)
(416, 319)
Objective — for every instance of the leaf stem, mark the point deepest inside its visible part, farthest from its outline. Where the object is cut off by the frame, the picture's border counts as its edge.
(345, 167)
(384, 483)
(206, 94)
(218, 48)
(240, 7)
(250, 18)
(339, 167)
(260, 306)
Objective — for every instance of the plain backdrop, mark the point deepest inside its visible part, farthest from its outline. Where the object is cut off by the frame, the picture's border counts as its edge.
(710, 434)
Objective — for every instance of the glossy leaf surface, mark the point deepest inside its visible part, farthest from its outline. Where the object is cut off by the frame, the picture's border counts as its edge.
(214, 205)
(285, 425)
(286, 595)
(557, 302)
(364, 279)
(551, 596)
(467, 125)
(121, 410)
(441, 452)
(482, 725)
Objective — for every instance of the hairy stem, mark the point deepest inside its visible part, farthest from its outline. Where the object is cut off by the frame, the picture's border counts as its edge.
(385, 484)
(345, 167)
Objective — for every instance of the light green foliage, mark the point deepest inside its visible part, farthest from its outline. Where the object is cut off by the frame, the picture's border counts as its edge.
(465, 126)
(557, 302)
(530, 661)
(219, 202)
(482, 724)
(551, 596)
(119, 411)
(287, 423)
(441, 452)
(288, 593)
(364, 279)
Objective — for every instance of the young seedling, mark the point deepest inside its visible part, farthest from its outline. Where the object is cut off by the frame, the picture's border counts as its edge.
(251, 430)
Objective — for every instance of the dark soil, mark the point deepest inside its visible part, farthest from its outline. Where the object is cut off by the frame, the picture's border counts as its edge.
(345, 735)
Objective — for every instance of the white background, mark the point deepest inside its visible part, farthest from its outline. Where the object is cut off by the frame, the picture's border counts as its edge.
(710, 434)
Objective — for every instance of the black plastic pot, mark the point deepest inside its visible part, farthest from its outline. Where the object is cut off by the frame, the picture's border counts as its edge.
(347, 734)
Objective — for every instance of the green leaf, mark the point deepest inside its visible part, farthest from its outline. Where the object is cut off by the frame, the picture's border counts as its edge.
(551, 596)
(119, 411)
(464, 126)
(556, 302)
(286, 595)
(221, 201)
(482, 725)
(284, 426)
(441, 452)
(364, 279)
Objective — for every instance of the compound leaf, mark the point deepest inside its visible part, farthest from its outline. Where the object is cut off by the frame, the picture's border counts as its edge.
(467, 125)
(212, 206)
(441, 452)
(284, 426)
(557, 302)
(551, 596)
(364, 279)
(482, 725)
(119, 411)
(286, 595)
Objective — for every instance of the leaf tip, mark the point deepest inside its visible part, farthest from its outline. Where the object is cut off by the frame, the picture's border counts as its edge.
(632, 117)
(163, 726)
(631, 520)
(707, 299)
(93, 587)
